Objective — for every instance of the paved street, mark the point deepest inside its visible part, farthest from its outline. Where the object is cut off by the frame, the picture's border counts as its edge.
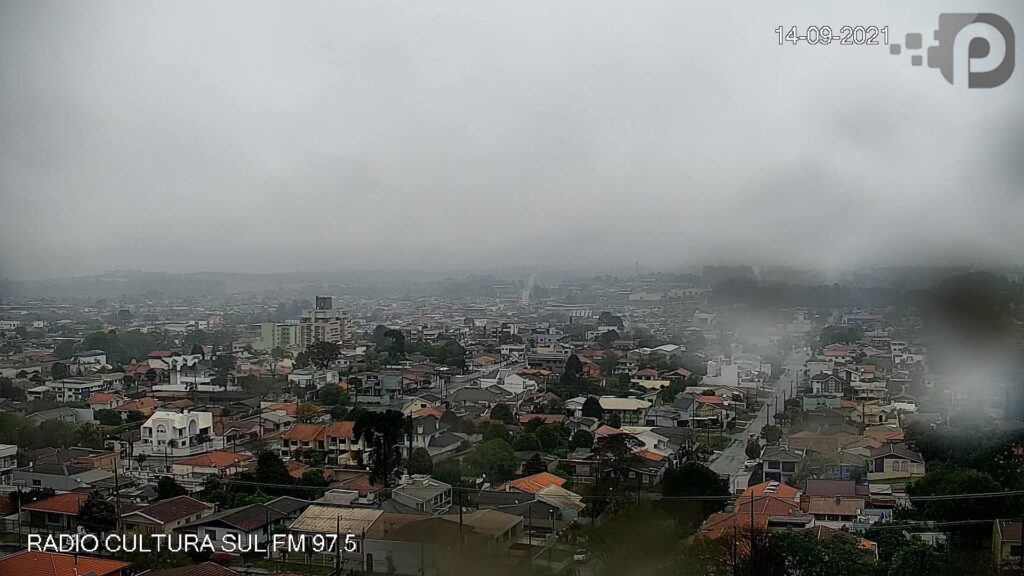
(731, 460)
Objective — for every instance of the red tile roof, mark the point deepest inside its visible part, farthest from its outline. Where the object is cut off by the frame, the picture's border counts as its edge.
(217, 459)
(428, 411)
(341, 430)
(305, 433)
(535, 483)
(51, 564)
(69, 503)
(102, 398)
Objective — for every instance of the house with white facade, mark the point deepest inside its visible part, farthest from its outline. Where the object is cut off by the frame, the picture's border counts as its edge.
(176, 434)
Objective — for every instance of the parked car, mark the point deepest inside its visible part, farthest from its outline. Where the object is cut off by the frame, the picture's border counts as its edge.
(581, 555)
(750, 464)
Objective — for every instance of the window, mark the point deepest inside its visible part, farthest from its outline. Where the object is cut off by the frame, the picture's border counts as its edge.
(789, 466)
(774, 465)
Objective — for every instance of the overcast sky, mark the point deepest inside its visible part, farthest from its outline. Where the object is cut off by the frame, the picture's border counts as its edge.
(258, 136)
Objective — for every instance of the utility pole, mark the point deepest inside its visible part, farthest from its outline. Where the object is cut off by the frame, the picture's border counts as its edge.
(753, 563)
(337, 545)
(409, 434)
(117, 491)
(461, 539)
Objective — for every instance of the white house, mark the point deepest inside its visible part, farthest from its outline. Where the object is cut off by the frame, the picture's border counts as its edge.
(176, 434)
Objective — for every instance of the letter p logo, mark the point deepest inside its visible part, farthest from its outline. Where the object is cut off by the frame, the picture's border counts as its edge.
(976, 48)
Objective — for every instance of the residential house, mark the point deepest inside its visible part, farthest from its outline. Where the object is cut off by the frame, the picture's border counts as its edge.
(581, 465)
(423, 493)
(63, 477)
(64, 414)
(85, 457)
(105, 401)
(833, 511)
(532, 484)
(895, 464)
(780, 464)
(53, 564)
(826, 383)
(428, 432)
(631, 411)
(176, 434)
(219, 463)
(1006, 543)
(57, 513)
(165, 516)
(254, 521)
(336, 441)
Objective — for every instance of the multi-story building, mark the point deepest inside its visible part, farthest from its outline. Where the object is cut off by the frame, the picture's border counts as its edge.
(277, 335)
(83, 388)
(324, 323)
(8, 462)
(336, 441)
(176, 434)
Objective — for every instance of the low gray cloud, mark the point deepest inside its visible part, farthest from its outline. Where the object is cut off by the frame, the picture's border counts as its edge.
(274, 136)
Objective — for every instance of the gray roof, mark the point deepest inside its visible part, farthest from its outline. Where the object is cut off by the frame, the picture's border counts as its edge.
(780, 453)
(417, 490)
(444, 439)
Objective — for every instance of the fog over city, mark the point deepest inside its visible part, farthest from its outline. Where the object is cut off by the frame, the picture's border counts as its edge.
(264, 137)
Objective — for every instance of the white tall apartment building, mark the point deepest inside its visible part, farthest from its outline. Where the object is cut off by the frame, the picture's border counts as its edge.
(324, 323)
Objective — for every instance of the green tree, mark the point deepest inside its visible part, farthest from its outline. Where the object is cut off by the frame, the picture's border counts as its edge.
(495, 432)
(307, 413)
(96, 514)
(9, 390)
(382, 432)
(592, 408)
(581, 439)
(420, 462)
(753, 449)
(270, 469)
(330, 395)
(393, 345)
(495, 459)
(502, 412)
(64, 350)
(551, 437)
(59, 371)
(108, 417)
(693, 479)
(944, 480)
(323, 354)
(608, 362)
(449, 471)
(771, 434)
(314, 477)
(166, 488)
(339, 412)
(573, 365)
(526, 441)
(916, 559)
(806, 555)
(535, 465)
(607, 339)
(223, 365)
